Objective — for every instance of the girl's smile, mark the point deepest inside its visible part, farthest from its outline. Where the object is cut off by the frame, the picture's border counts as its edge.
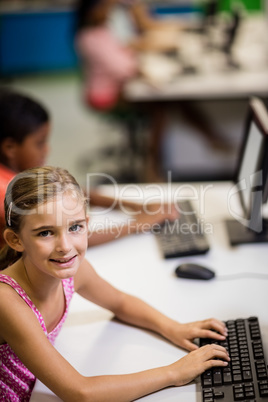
(64, 262)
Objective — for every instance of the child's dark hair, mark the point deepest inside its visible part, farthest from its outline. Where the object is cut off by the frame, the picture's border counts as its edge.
(28, 190)
(83, 10)
(20, 115)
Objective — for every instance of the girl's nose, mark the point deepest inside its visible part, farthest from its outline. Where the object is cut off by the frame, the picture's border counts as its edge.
(63, 244)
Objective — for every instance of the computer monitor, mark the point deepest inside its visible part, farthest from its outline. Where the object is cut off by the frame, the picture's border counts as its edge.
(251, 179)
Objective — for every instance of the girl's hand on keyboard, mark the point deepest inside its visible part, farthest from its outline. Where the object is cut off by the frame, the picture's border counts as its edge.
(184, 335)
(198, 361)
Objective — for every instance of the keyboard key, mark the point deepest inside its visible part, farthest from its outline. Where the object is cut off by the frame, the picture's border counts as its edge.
(247, 375)
(217, 377)
(218, 395)
(227, 377)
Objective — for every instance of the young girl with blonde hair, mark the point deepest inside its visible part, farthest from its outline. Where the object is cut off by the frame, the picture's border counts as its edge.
(42, 266)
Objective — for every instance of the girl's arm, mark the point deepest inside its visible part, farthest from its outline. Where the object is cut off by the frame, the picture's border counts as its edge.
(20, 328)
(134, 311)
(125, 204)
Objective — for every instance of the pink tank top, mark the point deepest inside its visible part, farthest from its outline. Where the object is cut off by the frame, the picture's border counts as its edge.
(16, 381)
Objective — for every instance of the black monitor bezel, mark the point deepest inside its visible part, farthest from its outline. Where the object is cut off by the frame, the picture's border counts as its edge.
(258, 114)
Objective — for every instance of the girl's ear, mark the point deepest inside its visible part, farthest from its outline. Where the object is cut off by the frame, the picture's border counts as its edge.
(13, 240)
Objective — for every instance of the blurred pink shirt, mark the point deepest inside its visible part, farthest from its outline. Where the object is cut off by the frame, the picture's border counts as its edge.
(106, 66)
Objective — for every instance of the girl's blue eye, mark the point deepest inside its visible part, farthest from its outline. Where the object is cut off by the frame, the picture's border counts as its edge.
(75, 228)
(45, 233)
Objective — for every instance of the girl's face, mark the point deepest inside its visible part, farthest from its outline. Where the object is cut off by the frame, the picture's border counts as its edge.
(54, 237)
(33, 151)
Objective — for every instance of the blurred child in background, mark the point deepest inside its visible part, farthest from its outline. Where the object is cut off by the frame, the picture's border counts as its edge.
(111, 36)
(24, 136)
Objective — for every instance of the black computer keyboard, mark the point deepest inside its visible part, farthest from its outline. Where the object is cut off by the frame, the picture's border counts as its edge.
(183, 237)
(245, 378)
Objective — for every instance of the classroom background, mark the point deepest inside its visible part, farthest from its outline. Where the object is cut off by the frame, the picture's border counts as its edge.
(37, 56)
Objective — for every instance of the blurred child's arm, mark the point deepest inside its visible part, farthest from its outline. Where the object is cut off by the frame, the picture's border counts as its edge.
(145, 21)
(141, 219)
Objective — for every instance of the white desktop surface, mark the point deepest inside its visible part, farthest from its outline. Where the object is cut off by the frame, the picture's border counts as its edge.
(96, 344)
(215, 85)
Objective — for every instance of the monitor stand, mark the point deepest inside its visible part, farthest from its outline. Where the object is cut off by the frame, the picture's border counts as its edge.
(240, 234)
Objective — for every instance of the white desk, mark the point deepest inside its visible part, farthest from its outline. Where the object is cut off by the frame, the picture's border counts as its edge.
(95, 344)
(215, 85)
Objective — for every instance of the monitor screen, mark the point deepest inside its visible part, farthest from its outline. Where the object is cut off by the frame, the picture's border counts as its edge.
(252, 179)
(249, 178)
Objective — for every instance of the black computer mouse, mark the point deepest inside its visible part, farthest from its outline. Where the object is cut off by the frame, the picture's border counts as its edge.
(194, 271)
